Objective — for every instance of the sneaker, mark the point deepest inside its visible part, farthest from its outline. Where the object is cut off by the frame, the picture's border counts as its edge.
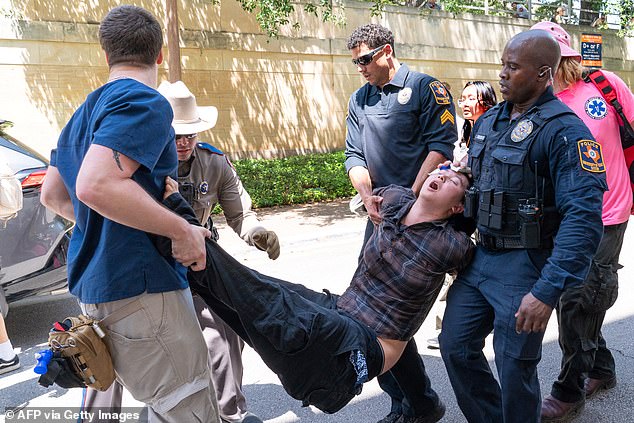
(437, 414)
(10, 365)
(390, 418)
(433, 344)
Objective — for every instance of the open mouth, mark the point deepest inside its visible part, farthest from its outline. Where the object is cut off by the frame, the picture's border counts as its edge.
(434, 186)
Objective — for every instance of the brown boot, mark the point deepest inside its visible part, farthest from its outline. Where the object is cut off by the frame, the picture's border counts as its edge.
(593, 386)
(556, 411)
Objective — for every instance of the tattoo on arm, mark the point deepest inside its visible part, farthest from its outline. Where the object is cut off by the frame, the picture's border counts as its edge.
(116, 155)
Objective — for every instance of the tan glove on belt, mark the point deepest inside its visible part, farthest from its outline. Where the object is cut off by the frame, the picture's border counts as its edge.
(267, 241)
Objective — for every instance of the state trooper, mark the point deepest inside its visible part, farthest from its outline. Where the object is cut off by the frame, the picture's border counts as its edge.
(539, 179)
(206, 177)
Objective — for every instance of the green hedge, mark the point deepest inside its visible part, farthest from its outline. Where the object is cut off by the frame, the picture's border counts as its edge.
(295, 180)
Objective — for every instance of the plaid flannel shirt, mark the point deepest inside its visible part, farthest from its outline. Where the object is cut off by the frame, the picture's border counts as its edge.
(403, 268)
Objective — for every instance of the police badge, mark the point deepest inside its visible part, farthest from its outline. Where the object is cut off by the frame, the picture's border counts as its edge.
(522, 130)
(203, 188)
(404, 95)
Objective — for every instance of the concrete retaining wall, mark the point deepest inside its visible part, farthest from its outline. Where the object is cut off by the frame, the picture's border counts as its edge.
(275, 96)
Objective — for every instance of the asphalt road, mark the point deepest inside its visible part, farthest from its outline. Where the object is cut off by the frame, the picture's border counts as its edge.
(320, 244)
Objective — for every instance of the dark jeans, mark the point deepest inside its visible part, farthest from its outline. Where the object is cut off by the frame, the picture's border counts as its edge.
(299, 333)
(580, 313)
(486, 296)
(406, 383)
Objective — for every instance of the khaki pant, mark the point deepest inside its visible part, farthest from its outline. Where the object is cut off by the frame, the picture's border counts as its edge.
(225, 362)
(159, 355)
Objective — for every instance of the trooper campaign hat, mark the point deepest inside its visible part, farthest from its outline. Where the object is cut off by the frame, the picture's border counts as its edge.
(189, 118)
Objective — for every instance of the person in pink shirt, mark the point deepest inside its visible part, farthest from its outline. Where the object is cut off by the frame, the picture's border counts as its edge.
(581, 310)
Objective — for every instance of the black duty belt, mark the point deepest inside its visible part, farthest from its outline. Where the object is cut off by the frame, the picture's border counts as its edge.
(495, 243)
(498, 243)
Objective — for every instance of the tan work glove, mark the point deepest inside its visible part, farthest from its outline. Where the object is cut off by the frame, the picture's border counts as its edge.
(267, 241)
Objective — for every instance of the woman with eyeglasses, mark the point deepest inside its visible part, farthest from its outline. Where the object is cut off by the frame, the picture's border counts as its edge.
(477, 97)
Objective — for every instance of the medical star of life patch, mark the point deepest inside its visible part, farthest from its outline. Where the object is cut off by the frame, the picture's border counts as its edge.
(596, 108)
(440, 92)
(590, 156)
(447, 117)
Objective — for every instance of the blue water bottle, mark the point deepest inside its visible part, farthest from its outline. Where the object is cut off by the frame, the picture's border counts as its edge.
(43, 358)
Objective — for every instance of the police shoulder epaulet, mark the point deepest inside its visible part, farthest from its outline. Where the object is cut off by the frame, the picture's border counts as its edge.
(209, 148)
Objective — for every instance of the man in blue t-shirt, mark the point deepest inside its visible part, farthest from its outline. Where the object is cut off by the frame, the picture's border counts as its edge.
(106, 175)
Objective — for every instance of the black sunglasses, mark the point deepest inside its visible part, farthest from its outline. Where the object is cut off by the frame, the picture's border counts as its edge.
(188, 137)
(367, 58)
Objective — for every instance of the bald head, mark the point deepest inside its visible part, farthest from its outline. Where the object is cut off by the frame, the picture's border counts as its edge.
(538, 46)
(529, 62)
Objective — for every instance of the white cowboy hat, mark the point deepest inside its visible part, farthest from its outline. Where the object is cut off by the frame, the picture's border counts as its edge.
(188, 117)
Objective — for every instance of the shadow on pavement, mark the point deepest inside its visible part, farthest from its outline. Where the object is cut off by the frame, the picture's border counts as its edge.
(318, 214)
(28, 326)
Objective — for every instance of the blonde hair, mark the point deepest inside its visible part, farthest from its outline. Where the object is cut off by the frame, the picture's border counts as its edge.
(569, 71)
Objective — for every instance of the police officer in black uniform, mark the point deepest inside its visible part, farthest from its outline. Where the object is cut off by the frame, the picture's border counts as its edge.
(537, 195)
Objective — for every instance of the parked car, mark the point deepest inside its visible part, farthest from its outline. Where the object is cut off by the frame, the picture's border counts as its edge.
(33, 244)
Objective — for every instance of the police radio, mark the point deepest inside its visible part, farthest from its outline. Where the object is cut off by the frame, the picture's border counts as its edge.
(187, 191)
(471, 202)
(530, 214)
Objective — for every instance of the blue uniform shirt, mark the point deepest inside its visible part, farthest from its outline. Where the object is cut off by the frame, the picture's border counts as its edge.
(576, 193)
(108, 261)
(391, 130)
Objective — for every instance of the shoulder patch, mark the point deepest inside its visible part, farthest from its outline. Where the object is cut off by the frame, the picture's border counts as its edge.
(440, 92)
(447, 116)
(209, 148)
(590, 156)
